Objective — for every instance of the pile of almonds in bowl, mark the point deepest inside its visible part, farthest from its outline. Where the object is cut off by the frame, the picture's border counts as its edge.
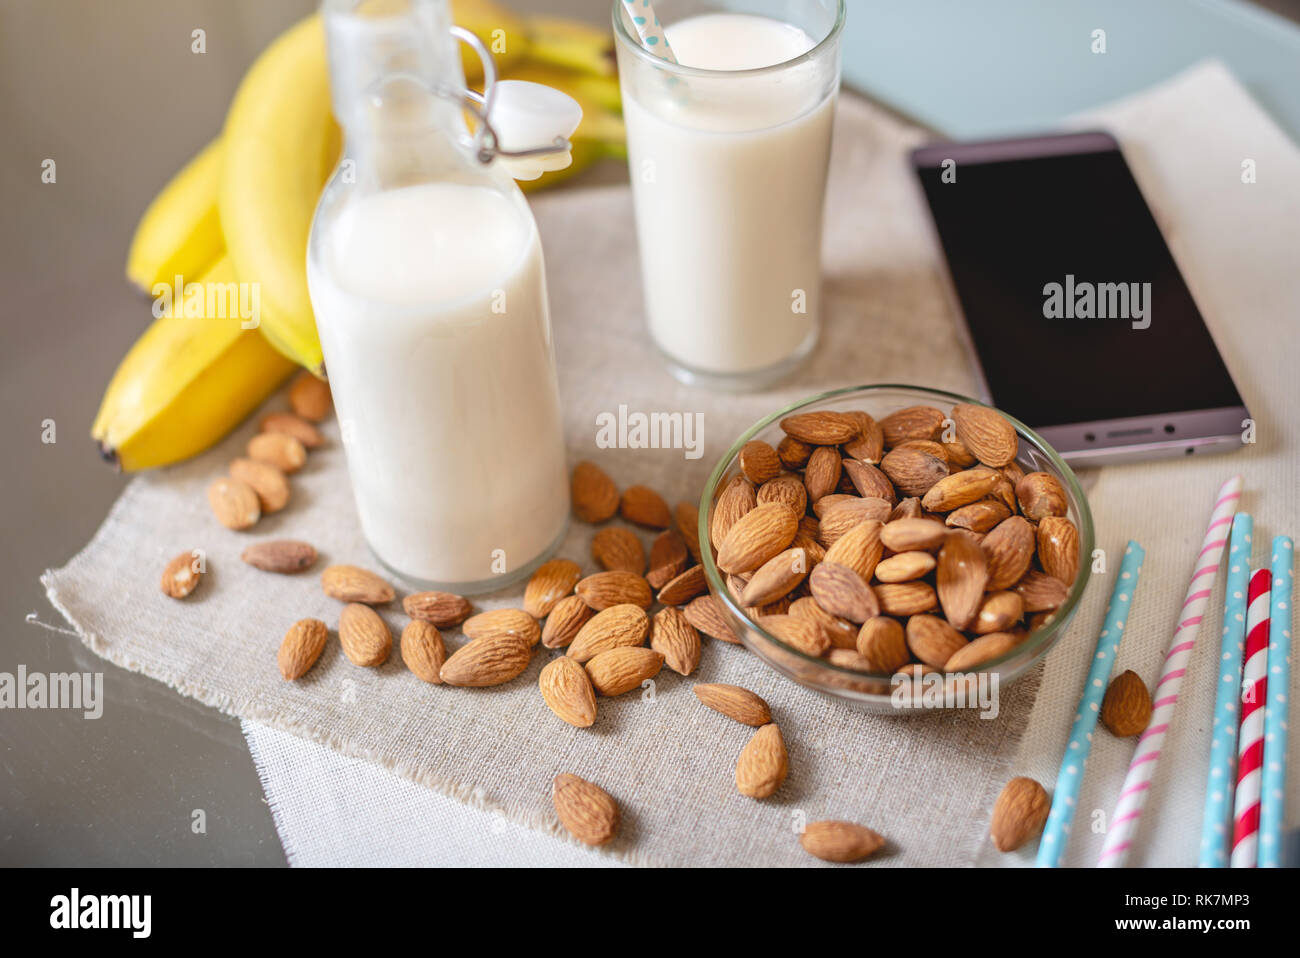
(886, 530)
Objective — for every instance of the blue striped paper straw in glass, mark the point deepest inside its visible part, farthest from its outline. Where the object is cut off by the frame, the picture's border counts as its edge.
(1056, 833)
(1216, 832)
(1272, 799)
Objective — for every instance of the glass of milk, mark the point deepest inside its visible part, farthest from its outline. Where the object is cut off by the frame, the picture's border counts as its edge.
(429, 289)
(728, 156)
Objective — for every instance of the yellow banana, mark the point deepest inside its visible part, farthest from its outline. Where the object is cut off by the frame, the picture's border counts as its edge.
(571, 44)
(278, 135)
(187, 381)
(501, 31)
(180, 232)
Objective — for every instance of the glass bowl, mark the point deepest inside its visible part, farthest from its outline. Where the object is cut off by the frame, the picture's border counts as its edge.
(875, 691)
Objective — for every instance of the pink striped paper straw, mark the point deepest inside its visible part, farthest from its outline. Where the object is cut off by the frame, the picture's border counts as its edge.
(1137, 783)
(1250, 743)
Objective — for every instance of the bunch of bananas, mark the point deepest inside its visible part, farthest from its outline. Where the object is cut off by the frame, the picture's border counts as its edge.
(238, 215)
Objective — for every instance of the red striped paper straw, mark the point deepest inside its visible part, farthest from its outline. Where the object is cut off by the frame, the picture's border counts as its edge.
(1250, 743)
(1137, 783)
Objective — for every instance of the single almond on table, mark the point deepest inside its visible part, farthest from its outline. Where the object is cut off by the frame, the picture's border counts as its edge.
(350, 583)
(961, 489)
(292, 425)
(617, 549)
(979, 516)
(615, 627)
(301, 647)
(682, 588)
(587, 811)
(182, 574)
(998, 612)
(905, 598)
(913, 470)
(734, 702)
(442, 609)
(668, 558)
(986, 433)
(567, 691)
(800, 633)
(310, 397)
(234, 503)
(986, 648)
(913, 535)
(672, 635)
(552, 581)
(788, 489)
(757, 536)
(776, 578)
(278, 449)
(820, 428)
(961, 578)
(1058, 548)
(759, 461)
(860, 548)
(707, 614)
(1019, 814)
(686, 517)
(822, 475)
(595, 497)
(840, 841)
(905, 567)
(642, 506)
(763, 763)
(514, 622)
(268, 482)
(913, 422)
(365, 637)
(605, 589)
(285, 556)
(932, 640)
(616, 671)
(842, 592)
(869, 481)
(882, 644)
(1040, 495)
(1008, 550)
(423, 650)
(737, 498)
(491, 660)
(1041, 592)
(565, 621)
(1126, 707)
(842, 633)
(794, 452)
(869, 444)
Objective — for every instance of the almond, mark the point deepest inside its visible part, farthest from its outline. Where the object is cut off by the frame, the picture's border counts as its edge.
(979, 516)
(913, 470)
(776, 578)
(842, 633)
(567, 691)
(843, 516)
(911, 535)
(799, 633)
(1058, 548)
(682, 588)
(909, 508)
(310, 397)
(859, 548)
(565, 621)
(932, 640)
(349, 583)
(998, 612)
(905, 598)
(1126, 707)
(869, 481)
(848, 659)
(1041, 592)
(686, 516)
(673, 635)
(587, 811)
(285, 556)
(961, 578)
(960, 489)
(552, 581)
(1019, 814)
(984, 649)
(279, 449)
(616, 627)
(302, 646)
(364, 636)
(605, 589)
(957, 453)
(822, 475)
(869, 444)
(820, 428)
(442, 609)
(840, 841)
(738, 497)
(787, 489)
(616, 671)
(734, 702)
(707, 614)
(618, 549)
(595, 497)
(1040, 495)
(763, 763)
(423, 650)
(292, 425)
(234, 503)
(182, 574)
(986, 433)
(668, 558)
(642, 506)
(794, 452)
(491, 660)
(840, 591)
(914, 422)
(1008, 549)
(905, 567)
(513, 622)
(882, 644)
(759, 461)
(268, 482)
(757, 536)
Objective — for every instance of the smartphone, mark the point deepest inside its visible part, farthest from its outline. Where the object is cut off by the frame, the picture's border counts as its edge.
(1074, 311)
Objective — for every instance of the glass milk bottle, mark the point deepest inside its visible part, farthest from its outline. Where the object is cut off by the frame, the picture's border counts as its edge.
(429, 288)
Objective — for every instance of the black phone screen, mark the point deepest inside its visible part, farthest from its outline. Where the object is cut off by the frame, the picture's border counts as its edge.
(1076, 308)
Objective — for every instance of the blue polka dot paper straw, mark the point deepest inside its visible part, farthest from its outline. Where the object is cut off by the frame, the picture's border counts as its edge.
(1272, 801)
(648, 28)
(1056, 834)
(1216, 827)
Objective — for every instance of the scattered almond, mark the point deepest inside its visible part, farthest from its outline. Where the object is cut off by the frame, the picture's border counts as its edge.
(567, 691)
(182, 574)
(552, 581)
(234, 503)
(349, 583)
(365, 637)
(642, 506)
(292, 425)
(279, 449)
(442, 609)
(763, 763)
(615, 627)
(595, 497)
(668, 558)
(605, 589)
(491, 660)
(687, 519)
(565, 621)
(682, 588)
(423, 650)
(301, 647)
(673, 636)
(840, 841)
(587, 811)
(285, 556)
(512, 622)
(618, 549)
(734, 702)
(1126, 707)
(310, 397)
(620, 670)
(1019, 814)
(268, 482)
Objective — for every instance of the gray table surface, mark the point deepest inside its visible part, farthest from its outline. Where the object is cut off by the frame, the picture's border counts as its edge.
(112, 93)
